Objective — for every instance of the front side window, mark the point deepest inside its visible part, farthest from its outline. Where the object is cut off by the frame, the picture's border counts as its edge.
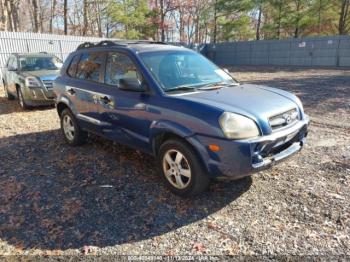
(32, 63)
(12, 63)
(120, 66)
(9, 61)
(177, 70)
(89, 67)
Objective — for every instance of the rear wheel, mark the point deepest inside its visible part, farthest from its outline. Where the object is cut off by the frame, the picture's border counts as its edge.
(73, 134)
(7, 94)
(181, 168)
(21, 100)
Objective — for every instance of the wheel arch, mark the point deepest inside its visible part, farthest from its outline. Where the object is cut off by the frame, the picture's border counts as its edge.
(160, 135)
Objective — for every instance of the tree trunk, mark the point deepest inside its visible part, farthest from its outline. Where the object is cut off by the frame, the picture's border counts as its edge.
(14, 12)
(296, 31)
(162, 20)
(320, 7)
(259, 22)
(343, 17)
(279, 21)
(85, 16)
(52, 16)
(2, 15)
(35, 16)
(9, 15)
(65, 7)
(215, 22)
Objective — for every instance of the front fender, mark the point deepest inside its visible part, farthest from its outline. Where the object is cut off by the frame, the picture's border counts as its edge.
(166, 126)
(160, 127)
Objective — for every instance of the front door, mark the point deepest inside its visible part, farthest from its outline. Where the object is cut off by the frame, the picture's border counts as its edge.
(123, 112)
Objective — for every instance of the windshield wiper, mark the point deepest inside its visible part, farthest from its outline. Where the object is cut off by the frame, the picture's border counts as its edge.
(181, 88)
(216, 85)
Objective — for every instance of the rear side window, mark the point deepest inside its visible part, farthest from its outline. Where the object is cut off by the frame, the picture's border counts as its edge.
(72, 69)
(89, 67)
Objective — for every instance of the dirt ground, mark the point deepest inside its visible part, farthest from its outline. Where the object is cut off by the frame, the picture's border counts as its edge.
(103, 198)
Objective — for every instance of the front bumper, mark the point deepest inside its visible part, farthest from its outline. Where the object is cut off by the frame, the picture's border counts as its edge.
(38, 96)
(240, 158)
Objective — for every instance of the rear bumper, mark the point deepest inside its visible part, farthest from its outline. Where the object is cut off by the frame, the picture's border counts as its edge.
(240, 158)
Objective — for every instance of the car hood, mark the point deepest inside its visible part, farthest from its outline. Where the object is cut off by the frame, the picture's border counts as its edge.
(42, 74)
(254, 101)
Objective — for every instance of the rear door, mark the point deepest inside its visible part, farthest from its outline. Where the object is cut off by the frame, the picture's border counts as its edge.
(86, 77)
(124, 113)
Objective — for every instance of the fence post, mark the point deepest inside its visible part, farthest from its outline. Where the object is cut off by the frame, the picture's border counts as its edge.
(27, 46)
(59, 42)
(338, 53)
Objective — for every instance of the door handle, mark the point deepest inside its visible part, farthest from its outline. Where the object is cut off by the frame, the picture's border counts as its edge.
(71, 91)
(105, 99)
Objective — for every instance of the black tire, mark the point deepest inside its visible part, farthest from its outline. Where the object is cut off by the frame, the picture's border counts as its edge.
(199, 178)
(7, 95)
(79, 136)
(21, 101)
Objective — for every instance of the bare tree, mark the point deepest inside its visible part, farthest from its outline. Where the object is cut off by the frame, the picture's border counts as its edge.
(52, 15)
(65, 16)
(344, 23)
(35, 15)
(85, 16)
(3, 15)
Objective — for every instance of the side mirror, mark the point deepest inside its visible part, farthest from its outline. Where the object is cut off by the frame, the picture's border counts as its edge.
(131, 84)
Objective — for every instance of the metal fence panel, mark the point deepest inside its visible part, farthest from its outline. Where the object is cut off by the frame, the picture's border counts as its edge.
(19, 42)
(312, 51)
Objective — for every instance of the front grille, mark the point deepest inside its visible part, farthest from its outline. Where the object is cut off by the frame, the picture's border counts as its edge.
(284, 119)
(48, 83)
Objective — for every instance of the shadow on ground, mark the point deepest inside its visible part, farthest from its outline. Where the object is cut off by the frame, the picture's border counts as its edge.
(12, 106)
(58, 197)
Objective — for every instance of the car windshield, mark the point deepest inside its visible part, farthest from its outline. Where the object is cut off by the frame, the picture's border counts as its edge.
(32, 63)
(185, 70)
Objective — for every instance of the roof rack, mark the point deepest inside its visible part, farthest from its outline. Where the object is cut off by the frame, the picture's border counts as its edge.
(107, 43)
(85, 45)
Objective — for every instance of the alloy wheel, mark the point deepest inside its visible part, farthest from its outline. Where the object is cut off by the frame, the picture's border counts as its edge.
(68, 127)
(176, 169)
(20, 97)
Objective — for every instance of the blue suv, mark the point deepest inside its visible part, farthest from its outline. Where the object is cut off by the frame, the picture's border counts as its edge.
(173, 103)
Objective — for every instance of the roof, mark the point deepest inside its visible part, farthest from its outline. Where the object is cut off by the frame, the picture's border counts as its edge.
(34, 54)
(135, 45)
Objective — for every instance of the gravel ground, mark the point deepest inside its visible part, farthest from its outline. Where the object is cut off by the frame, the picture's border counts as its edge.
(103, 198)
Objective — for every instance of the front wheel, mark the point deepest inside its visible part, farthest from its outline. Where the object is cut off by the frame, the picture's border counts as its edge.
(73, 134)
(181, 168)
(21, 100)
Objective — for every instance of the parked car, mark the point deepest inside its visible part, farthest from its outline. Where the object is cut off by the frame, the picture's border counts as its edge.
(29, 77)
(171, 102)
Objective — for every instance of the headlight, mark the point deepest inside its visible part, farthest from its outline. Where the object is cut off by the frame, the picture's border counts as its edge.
(237, 126)
(32, 82)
